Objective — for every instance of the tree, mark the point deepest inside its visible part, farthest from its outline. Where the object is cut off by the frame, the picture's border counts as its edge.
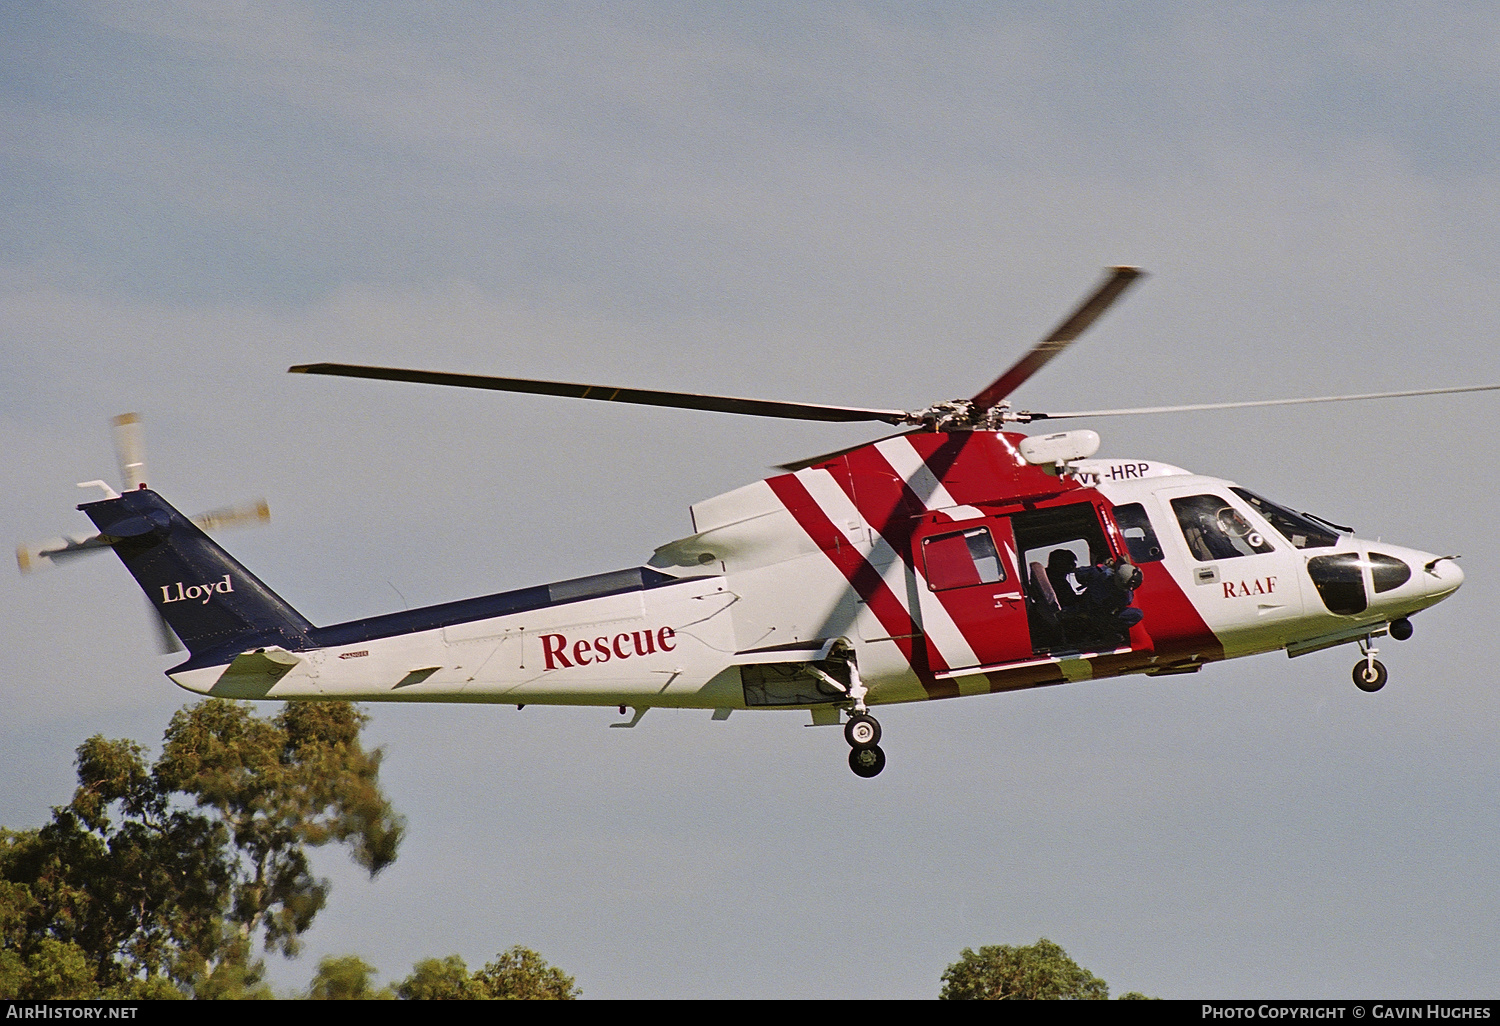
(520, 974)
(516, 974)
(1038, 972)
(346, 979)
(160, 880)
(434, 979)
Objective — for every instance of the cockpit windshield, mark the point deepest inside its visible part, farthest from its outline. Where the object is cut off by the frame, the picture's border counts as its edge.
(1294, 527)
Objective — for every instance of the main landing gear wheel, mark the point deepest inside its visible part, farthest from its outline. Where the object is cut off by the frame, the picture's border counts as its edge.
(1370, 675)
(867, 762)
(862, 731)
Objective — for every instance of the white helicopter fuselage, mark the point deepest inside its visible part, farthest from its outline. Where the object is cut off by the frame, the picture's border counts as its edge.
(791, 579)
(955, 559)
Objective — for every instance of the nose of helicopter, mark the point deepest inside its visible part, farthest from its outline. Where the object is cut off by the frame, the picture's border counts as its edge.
(1441, 576)
(1404, 580)
(1433, 577)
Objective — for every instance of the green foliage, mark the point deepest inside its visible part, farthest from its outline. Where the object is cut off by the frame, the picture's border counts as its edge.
(234, 976)
(518, 974)
(434, 979)
(346, 978)
(58, 970)
(1038, 972)
(160, 879)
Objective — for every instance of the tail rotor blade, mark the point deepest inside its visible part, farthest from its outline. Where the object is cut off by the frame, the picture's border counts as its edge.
(245, 514)
(1116, 281)
(130, 449)
(31, 558)
(48, 553)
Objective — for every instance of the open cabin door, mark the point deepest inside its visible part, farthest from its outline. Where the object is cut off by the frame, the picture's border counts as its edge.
(987, 596)
(972, 598)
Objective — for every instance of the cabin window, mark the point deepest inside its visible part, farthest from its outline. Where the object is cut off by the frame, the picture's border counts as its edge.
(1294, 527)
(1213, 529)
(1340, 581)
(962, 558)
(1140, 537)
(1388, 572)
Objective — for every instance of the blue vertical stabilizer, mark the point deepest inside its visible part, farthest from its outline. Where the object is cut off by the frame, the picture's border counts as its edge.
(216, 606)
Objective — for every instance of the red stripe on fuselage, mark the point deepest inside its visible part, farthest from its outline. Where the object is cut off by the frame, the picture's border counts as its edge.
(980, 469)
(888, 503)
(864, 579)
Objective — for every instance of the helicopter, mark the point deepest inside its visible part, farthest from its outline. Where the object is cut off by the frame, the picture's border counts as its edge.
(957, 557)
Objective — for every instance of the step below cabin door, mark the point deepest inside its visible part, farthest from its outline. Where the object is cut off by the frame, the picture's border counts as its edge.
(973, 601)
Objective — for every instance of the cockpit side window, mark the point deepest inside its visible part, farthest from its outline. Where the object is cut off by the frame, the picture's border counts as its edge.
(1294, 527)
(1213, 529)
(1140, 537)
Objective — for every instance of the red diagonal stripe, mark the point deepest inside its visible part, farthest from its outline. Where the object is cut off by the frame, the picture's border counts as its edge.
(864, 579)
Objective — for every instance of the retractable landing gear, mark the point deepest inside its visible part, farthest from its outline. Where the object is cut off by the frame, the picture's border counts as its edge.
(867, 762)
(1369, 672)
(863, 734)
(862, 730)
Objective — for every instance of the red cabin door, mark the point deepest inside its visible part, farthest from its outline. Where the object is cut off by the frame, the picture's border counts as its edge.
(972, 599)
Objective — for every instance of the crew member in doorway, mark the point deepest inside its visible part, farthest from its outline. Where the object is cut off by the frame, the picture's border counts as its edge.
(1061, 565)
(1103, 613)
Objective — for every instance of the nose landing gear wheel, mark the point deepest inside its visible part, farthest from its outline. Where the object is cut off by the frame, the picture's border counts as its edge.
(867, 762)
(862, 731)
(1370, 675)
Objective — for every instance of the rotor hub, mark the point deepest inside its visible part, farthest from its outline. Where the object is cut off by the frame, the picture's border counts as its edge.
(966, 415)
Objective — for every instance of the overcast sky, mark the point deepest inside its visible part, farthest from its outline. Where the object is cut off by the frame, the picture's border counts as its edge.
(862, 204)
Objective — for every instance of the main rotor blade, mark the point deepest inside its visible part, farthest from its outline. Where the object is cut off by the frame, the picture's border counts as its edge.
(608, 393)
(1026, 416)
(1116, 281)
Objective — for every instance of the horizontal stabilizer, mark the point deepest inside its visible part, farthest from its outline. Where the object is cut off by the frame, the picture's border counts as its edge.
(48, 553)
(253, 674)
